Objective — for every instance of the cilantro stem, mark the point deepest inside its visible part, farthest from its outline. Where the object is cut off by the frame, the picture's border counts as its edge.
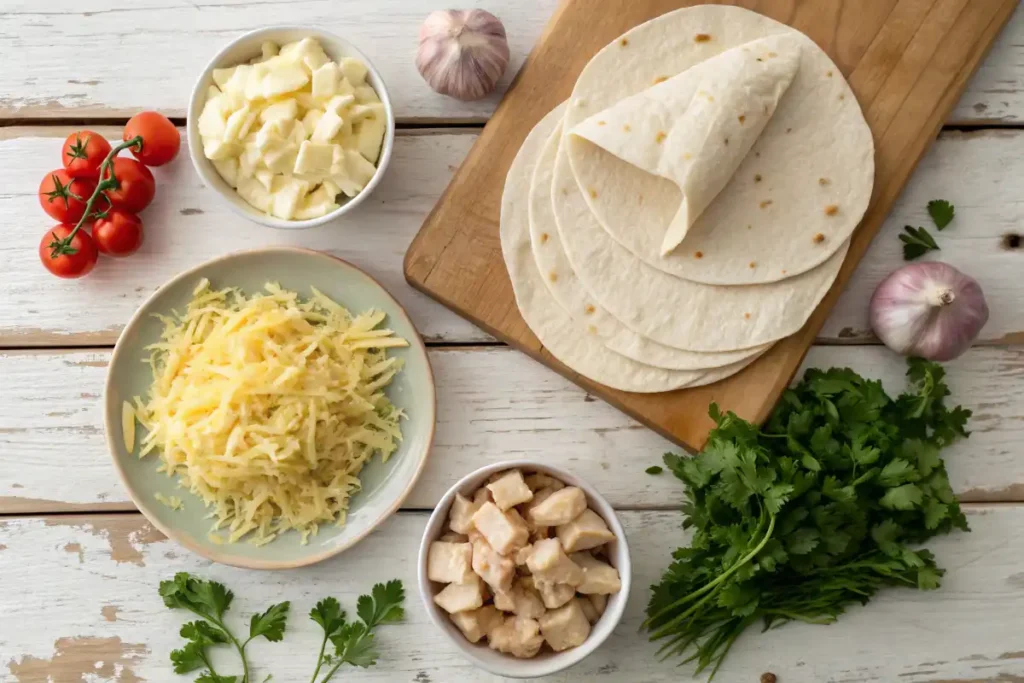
(319, 658)
(223, 627)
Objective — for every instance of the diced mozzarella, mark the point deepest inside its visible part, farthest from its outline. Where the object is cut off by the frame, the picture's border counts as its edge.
(265, 177)
(354, 70)
(222, 76)
(217, 150)
(374, 110)
(269, 49)
(310, 120)
(251, 191)
(287, 192)
(254, 81)
(366, 94)
(249, 160)
(327, 127)
(280, 158)
(359, 169)
(298, 135)
(339, 102)
(282, 110)
(325, 80)
(314, 158)
(283, 77)
(369, 136)
(345, 87)
(235, 123)
(318, 203)
(228, 170)
(307, 101)
(307, 52)
(333, 191)
(211, 92)
(213, 117)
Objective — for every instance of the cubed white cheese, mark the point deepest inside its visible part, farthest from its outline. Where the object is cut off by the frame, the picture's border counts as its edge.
(561, 507)
(228, 170)
(218, 150)
(510, 490)
(549, 563)
(287, 193)
(327, 126)
(370, 135)
(233, 80)
(269, 49)
(283, 77)
(358, 112)
(354, 70)
(366, 94)
(554, 595)
(299, 135)
(460, 517)
(345, 87)
(587, 531)
(461, 597)
(213, 119)
(333, 191)
(280, 158)
(450, 562)
(254, 81)
(307, 51)
(265, 177)
(475, 624)
(311, 119)
(233, 126)
(358, 168)
(222, 76)
(598, 577)
(249, 160)
(286, 109)
(325, 81)
(251, 191)
(495, 569)
(339, 103)
(565, 627)
(505, 531)
(211, 92)
(314, 158)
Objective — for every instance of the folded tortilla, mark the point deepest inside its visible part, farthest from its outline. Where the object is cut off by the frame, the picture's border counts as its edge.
(695, 128)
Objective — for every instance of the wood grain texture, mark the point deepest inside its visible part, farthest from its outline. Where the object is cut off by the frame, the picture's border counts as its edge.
(57, 66)
(907, 76)
(188, 224)
(94, 579)
(493, 404)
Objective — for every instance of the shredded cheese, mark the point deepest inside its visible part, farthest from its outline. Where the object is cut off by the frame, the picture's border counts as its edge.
(268, 406)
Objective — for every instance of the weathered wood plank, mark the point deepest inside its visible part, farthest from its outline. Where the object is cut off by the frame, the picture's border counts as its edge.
(493, 404)
(188, 224)
(58, 64)
(83, 592)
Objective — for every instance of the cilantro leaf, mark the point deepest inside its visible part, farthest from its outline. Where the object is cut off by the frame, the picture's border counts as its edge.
(654, 469)
(383, 606)
(188, 658)
(329, 615)
(942, 212)
(355, 645)
(904, 497)
(208, 677)
(916, 242)
(270, 624)
(206, 598)
(203, 633)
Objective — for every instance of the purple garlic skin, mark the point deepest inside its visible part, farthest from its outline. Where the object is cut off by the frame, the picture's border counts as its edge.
(462, 53)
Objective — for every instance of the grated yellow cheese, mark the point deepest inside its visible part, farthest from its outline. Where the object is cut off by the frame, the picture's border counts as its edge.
(268, 406)
(172, 502)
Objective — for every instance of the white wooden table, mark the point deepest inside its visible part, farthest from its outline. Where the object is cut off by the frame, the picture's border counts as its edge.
(79, 567)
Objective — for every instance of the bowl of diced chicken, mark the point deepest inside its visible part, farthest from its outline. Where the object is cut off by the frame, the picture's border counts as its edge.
(525, 567)
(291, 125)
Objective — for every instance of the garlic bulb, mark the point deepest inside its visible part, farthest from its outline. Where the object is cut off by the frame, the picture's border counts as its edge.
(462, 53)
(928, 309)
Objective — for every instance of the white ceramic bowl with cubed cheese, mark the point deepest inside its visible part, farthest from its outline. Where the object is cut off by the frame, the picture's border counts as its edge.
(241, 51)
(547, 662)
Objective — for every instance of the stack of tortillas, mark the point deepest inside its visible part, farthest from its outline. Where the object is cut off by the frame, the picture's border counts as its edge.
(690, 204)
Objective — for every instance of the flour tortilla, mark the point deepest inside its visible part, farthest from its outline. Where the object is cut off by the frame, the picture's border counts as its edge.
(695, 128)
(579, 351)
(770, 222)
(673, 311)
(585, 311)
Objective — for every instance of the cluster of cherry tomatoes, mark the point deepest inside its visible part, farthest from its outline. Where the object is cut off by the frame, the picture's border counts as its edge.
(97, 195)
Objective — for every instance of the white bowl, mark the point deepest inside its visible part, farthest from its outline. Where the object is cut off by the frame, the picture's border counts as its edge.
(240, 51)
(548, 662)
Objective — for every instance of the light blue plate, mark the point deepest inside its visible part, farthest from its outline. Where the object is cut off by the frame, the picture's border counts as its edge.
(385, 485)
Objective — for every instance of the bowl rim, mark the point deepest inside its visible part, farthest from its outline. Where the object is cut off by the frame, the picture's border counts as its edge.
(510, 666)
(110, 420)
(204, 168)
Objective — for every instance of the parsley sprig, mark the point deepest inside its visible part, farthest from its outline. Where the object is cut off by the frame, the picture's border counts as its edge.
(917, 241)
(817, 510)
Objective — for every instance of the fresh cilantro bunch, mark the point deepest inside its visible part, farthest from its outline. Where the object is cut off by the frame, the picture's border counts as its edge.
(209, 600)
(353, 641)
(815, 511)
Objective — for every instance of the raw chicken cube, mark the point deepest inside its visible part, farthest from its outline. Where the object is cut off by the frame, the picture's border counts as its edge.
(565, 627)
(554, 595)
(505, 531)
(450, 537)
(561, 507)
(510, 490)
(527, 601)
(450, 562)
(539, 497)
(504, 601)
(588, 609)
(599, 601)
(461, 597)
(587, 531)
(496, 570)
(549, 563)
(598, 577)
(475, 624)
(460, 518)
(539, 480)
(523, 555)
(517, 636)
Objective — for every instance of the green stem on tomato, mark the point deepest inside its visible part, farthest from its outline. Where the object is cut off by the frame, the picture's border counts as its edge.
(101, 187)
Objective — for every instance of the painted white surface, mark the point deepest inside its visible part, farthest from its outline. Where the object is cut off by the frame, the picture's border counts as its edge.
(60, 574)
(189, 223)
(493, 404)
(68, 58)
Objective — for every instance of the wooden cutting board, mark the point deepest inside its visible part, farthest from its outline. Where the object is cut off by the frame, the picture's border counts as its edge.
(907, 61)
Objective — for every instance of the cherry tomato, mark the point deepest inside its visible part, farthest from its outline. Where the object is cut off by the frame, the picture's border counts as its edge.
(73, 260)
(119, 233)
(135, 185)
(160, 139)
(64, 197)
(83, 152)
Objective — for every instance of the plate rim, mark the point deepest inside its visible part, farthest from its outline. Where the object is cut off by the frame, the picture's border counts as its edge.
(256, 563)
